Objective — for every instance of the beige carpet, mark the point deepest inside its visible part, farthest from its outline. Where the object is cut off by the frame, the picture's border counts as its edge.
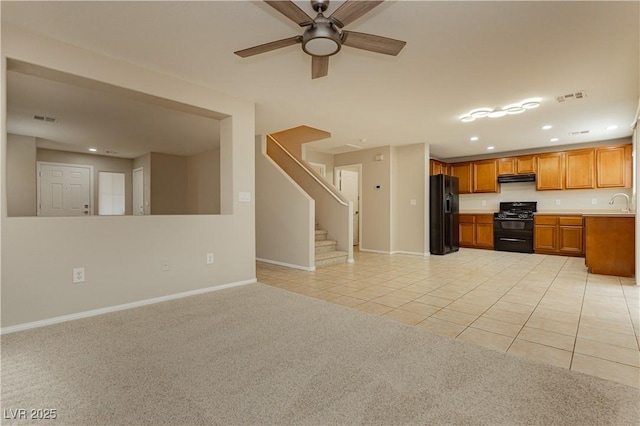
(261, 355)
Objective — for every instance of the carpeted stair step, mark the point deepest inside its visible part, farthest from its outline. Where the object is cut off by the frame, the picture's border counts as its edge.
(324, 246)
(321, 235)
(331, 258)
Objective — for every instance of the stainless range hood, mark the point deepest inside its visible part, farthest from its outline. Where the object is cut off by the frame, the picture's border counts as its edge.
(516, 178)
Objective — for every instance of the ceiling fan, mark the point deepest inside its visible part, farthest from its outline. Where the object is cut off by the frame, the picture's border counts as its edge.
(323, 36)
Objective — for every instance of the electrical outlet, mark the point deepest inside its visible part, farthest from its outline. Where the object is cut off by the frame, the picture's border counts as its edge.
(413, 202)
(484, 203)
(557, 202)
(164, 265)
(78, 275)
(209, 258)
(594, 201)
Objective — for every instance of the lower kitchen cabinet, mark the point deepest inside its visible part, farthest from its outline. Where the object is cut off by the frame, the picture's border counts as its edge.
(560, 235)
(476, 230)
(610, 245)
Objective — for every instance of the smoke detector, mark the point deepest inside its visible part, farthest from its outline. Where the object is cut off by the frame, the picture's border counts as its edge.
(572, 96)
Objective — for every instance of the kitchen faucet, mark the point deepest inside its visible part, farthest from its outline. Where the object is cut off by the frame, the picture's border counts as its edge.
(625, 210)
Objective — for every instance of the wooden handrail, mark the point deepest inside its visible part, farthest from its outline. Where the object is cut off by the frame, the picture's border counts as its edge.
(309, 172)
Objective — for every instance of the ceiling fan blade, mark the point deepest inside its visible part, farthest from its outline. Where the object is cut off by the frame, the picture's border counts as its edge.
(352, 10)
(372, 43)
(319, 66)
(291, 11)
(267, 47)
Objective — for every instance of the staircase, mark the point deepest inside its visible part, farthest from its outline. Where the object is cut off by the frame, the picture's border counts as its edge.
(326, 253)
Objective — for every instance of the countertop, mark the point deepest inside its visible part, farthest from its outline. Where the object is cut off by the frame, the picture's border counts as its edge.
(604, 213)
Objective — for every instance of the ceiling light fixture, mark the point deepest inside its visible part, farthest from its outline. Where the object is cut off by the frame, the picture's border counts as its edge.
(93, 149)
(554, 140)
(474, 138)
(612, 127)
(511, 109)
(547, 127)
(491, 147)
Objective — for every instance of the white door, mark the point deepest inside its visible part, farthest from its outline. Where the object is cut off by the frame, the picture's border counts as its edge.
(64, 190)
(138, 192)
(349, 186)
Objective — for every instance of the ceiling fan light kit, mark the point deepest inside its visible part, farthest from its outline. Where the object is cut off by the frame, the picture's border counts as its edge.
(511, 109)
(323, 37)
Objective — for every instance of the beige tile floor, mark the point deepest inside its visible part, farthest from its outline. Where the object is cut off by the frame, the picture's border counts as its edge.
(545, 308)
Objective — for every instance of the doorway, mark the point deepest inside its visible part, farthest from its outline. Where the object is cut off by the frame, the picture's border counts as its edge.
(138, 191)
(348, 181)
(64, 189)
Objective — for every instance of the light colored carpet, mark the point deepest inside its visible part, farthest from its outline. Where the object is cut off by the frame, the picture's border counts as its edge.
(261, 355)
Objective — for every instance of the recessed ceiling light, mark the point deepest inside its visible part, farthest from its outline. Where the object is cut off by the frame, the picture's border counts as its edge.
(612, 127)
(491, 147)
(547, 127)
(554, 140)
(515, 110)
(93, 149)
(474, 138)
(480, 112)
(497, 113)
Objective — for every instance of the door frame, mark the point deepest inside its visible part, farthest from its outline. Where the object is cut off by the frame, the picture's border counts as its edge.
(357, 167)
(133, 183)
(53, 163)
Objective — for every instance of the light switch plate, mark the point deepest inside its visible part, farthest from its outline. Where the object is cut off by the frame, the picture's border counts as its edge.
(244, 197)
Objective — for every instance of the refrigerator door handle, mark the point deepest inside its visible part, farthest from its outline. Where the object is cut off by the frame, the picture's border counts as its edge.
(447, 203)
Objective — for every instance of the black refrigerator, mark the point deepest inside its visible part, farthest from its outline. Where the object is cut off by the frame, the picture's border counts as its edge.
(443, 214)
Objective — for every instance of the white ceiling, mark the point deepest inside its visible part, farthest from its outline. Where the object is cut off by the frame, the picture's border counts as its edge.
(459, 56)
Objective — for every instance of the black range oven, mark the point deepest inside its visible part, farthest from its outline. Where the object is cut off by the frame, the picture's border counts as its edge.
(513, 227)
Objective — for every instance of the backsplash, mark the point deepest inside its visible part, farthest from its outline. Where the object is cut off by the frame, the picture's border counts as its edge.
(576, 200)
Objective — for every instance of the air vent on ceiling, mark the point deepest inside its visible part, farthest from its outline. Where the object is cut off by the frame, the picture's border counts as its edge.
(572, 96)
(579, 132)
(45, 118)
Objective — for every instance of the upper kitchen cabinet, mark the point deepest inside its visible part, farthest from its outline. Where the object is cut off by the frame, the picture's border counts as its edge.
(550, 171)
(438, 167)
(613, 167)
(579, 168)
(507, 166)
(525, 164)
(464, 174)
(485, 176)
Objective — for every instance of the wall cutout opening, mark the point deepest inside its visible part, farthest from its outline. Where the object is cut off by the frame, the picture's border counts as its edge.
(176, 146)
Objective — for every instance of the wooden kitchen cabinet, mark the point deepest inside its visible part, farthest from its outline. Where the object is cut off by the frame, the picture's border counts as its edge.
(610, 245)
(550, 171)
(507, 166)
(485, 176)
(579, 168)
(613, 167)
(464, 174)
(476, 231)
(438, 167)
(525, 164)
(560, 235)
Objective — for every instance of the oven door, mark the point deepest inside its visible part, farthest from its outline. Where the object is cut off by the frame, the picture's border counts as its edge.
(515, 235)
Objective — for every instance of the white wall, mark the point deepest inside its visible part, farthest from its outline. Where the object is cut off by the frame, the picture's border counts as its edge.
(320, 158)
(123, 255)
(21, 175)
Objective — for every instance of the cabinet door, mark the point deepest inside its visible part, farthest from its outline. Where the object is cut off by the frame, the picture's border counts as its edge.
(435, 167)
(526, 164)
(550, 171)
(580, 169)
(507, 166)
(545, 238)
(485, 176)
(484, 234)
(463, 172)
(570, 239)
(613, 167)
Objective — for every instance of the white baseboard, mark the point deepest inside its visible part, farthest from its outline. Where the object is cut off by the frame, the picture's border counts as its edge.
(288, 265)
(413, 253)
(94, 312)
(375, 251)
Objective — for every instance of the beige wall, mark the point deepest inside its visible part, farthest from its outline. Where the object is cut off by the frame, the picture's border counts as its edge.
(21, 175)
(168, 184)
(321, 158)
(376, 203)
(100, 163)
(284, 216)
(203, 183)
(409, 218)
(122, 256)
